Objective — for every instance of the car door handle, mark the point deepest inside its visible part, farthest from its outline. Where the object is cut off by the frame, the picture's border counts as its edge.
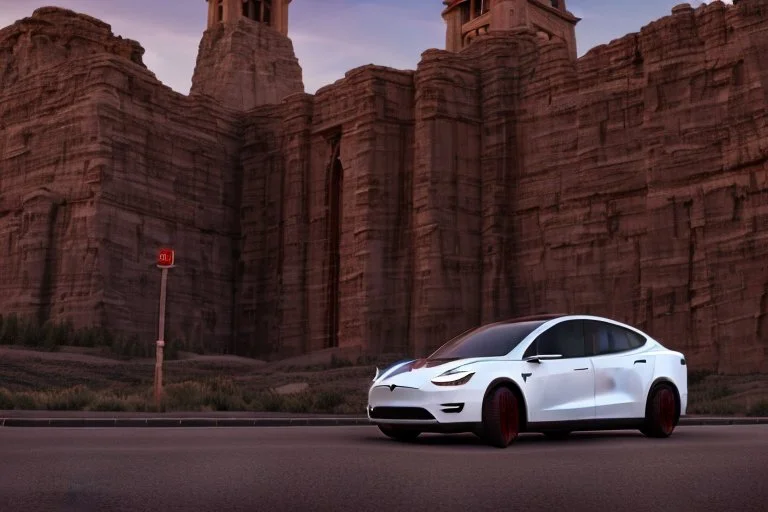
(580, 369)
(640, 361)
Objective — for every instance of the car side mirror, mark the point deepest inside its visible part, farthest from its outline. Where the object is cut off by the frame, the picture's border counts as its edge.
(542, 357)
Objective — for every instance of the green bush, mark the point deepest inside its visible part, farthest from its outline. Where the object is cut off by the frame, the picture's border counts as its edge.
(134, 347)
(172, 349)
(25, 401)
(183, 396)
(759, 409)
(51, 341)
(52, 335)
(32, 335)
(269, 402)
(111, 403)
(327, 401)
(130, 346)
(6, 400)
(340, 362)
(77, 398)
(223, 402)
(9, 335)
(216, 394)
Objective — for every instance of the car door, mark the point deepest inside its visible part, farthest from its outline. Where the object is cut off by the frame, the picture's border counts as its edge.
(623, 371)
(560, 389)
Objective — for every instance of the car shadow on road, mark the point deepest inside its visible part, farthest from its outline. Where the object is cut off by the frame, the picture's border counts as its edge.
(527, 439)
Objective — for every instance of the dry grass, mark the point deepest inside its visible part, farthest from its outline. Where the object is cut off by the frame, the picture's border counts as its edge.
(74, 381)
(209, 395)
(43, 381)
(713, 394)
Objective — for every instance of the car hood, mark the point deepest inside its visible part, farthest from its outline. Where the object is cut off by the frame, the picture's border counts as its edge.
(419, 372)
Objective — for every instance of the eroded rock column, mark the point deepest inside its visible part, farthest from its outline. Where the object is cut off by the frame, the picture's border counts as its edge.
(446, 201)
(244, 64)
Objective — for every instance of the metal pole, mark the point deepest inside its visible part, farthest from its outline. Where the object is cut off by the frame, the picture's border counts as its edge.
(160, 339)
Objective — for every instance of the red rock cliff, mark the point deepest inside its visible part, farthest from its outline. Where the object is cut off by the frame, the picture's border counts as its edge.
(51, 161)
(100, 165)
(631, 184)
(394, 209)
(643, 186)
(243, 65)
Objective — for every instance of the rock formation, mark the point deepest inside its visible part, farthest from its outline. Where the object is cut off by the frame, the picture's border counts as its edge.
(99, 165)
(243, 65)
(394, 209)
(507, 179)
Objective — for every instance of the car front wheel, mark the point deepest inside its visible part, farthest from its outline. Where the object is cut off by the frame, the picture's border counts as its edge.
(661, 412)
(501, 417)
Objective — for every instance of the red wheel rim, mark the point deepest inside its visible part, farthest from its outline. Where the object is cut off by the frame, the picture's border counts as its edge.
(666, 410)
(508, 415)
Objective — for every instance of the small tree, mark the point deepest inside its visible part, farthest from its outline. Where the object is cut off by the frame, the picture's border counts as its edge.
(49, 336)
(31, 333)
(85, 337)
(9, 335)
(67, 332)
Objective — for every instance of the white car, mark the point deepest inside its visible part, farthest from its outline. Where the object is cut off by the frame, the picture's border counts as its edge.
(552, 374)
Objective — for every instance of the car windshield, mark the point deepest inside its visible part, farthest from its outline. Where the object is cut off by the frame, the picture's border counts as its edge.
(493, 340)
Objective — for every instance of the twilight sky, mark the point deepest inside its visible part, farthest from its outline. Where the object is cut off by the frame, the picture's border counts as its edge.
(330, 36)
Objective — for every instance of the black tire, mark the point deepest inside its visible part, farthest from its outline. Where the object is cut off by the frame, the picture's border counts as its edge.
(661, 412)
(558, 435)
(501, 417)
(399, 433)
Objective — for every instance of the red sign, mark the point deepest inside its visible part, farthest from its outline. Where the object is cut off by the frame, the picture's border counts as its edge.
(166, 257)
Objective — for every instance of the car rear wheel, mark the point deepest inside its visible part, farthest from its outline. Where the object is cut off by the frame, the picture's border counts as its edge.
(501, 417)
(661, 412)
(399, 433)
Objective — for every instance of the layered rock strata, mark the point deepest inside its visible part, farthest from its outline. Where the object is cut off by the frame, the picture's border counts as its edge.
(631, 184)
(394, 209)
(100, 164)
(243, 64)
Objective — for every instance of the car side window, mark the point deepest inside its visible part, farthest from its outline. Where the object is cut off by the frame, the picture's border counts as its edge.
(634, 340)
(605, 338)
(565, 338)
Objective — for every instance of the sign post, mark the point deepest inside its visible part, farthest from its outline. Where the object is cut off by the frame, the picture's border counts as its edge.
(165, 261)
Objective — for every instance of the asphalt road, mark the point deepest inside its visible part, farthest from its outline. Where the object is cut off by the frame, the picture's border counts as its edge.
(357, 469)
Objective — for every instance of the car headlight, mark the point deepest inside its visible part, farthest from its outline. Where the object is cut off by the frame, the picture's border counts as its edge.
(452, 378)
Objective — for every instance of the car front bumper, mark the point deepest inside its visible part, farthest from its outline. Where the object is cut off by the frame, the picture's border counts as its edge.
(427, 406)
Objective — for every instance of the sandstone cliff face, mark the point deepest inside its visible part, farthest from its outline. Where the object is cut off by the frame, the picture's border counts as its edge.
(316, 275)
(50, 159)
(52, 37)
(394, 209)
(172, 181)
(644, 188)
(631, 184)
(243, 65)
(100, 165)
